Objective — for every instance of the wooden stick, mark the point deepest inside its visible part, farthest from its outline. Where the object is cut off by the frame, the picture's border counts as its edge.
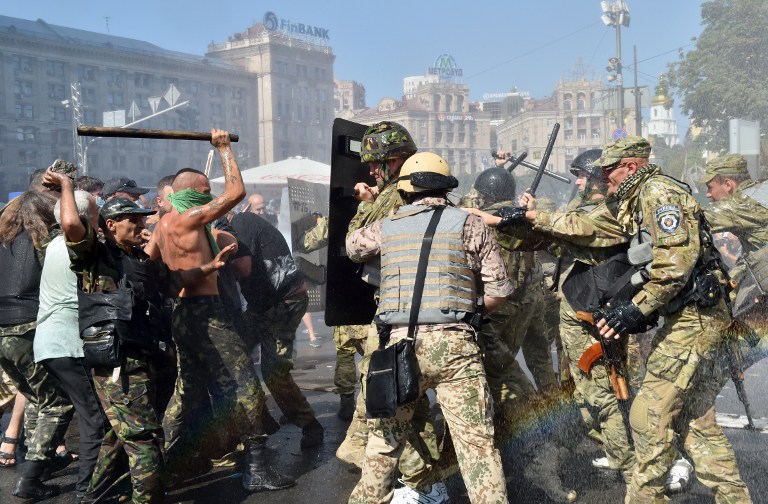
(147, 133)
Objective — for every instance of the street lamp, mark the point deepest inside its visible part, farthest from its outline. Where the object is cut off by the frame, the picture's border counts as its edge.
(616, 14)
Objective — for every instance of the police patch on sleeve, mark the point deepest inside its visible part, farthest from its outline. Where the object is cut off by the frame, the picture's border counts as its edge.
(668, 218)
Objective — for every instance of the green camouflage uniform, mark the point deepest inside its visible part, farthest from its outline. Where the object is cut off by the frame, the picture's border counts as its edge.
(747, 219)
(450, 363)
(275, 330)
(316, 237)
(683, 378)
(422, 449)
(593, 390)
(136, 434)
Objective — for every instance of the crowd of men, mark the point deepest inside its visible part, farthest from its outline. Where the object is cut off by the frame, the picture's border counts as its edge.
(167, 388)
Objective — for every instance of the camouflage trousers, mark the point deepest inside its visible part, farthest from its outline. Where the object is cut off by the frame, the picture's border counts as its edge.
(349, 340)
(275, 330)
(450, 364)
(7, 392)
(136, 436)
(218, 398)
(421, 450)
(49, 410)
(537, 345)
(508, 329)
(677, 398)
(594, 393)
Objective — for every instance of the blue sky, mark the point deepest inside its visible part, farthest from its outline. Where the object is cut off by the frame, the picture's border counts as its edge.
(499, 45)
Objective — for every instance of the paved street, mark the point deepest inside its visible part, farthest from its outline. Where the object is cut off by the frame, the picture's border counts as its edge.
(528, 462)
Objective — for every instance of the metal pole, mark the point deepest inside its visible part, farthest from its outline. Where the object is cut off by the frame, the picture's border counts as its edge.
(638, 117)
(619, 79)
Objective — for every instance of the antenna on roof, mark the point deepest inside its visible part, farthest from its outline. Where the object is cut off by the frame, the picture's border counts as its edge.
(107, 18)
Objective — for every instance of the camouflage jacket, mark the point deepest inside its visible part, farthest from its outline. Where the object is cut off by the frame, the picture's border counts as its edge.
(741, 215)
(386, 203)
(483, 252)
(670, 215)
(316, 237)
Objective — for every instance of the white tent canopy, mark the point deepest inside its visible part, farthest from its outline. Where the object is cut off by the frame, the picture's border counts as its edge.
(276, 174)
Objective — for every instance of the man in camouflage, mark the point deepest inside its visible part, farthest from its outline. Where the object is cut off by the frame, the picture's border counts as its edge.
(735, 209)
(449, 359)
(125, 392)
(682, 380)
(518, 322)
(385, 147)
(593, 391)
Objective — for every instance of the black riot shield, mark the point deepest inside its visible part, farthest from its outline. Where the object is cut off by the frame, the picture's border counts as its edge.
(308, 202)
(348, 299)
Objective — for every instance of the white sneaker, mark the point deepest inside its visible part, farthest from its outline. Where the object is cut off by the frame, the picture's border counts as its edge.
(407, 495)
(601, 463)
(679, 476)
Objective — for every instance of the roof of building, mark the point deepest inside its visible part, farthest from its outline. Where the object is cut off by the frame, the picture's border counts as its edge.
(43, 30)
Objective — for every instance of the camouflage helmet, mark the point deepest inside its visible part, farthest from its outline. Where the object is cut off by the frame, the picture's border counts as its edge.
(585, 162)
(386, 140)
(426, 171)
(495, 184)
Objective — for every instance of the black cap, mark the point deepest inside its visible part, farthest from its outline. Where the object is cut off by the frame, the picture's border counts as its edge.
(122, 184)
(116, 207)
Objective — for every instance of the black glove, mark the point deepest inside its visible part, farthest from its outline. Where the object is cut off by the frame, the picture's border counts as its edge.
(511, 216)
(626, 319)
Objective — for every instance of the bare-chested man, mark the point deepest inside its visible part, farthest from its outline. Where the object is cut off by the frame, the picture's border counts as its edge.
(210, 353)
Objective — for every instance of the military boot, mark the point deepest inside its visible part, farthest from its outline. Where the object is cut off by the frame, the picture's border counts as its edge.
(34, 490)
(258, 474)
(312, 435)
(346, 406)
(352, 449)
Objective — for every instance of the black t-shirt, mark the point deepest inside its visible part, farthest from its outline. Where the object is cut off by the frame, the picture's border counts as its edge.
(273, 272)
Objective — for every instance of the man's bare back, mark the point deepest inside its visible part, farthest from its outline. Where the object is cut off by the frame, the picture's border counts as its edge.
(180, 238)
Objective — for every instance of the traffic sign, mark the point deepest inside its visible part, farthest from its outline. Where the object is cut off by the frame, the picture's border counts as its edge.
(619, 133)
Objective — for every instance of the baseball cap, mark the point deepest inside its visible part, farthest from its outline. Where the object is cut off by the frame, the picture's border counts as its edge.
(627, 147)
(732, 164)
(122, 184)
(116, 207)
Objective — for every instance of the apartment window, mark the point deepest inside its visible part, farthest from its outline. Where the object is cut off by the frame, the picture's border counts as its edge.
(26, 134)
(115, 98)
(24, 111)
(54, 68)
(22, 88)
(216, 90)
(116, 78)
(22, 64)
(56, 91)
(86, 73)
(88, 95)
(57, 113)
(142, 80)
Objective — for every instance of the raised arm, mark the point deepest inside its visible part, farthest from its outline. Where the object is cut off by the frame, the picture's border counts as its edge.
(73, 227)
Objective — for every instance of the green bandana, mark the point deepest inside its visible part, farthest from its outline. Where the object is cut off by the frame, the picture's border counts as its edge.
(189, 198)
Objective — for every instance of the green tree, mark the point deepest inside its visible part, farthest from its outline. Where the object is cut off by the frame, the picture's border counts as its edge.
(724, 77)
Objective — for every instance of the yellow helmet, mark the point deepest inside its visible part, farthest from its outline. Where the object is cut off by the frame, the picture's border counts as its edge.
(425, 171)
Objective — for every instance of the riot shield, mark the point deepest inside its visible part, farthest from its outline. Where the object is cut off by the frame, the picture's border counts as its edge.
(348, 299)
(308, 202)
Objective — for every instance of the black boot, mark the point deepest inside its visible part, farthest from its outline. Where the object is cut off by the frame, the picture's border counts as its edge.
(312, 435)
(34, 490)
(259, 475)
(346, 406)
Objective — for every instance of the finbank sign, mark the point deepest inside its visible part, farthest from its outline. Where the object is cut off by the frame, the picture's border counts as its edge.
(273, 23)
(445, 67)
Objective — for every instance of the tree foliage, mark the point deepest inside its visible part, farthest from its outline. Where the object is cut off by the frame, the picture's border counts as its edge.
(724, 77)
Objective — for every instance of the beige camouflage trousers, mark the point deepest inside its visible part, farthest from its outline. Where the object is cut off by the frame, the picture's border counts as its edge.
(450, 364)
(594, 389)
(677, 397)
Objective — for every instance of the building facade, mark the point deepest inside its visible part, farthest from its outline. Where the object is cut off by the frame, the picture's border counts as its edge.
(662, 123)
(295, 90)
(348, 97)
(442, 120)
(577, 105)
(39, 63)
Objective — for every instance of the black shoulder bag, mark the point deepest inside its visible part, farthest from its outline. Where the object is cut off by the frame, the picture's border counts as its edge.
(393, 372)
(105, 317)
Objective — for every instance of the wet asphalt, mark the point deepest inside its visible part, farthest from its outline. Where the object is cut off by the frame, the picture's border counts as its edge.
(536, 469)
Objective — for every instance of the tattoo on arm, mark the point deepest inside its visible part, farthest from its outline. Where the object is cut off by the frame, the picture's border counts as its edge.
(226, 161)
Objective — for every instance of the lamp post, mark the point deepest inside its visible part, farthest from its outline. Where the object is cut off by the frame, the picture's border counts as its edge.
(616, 14)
